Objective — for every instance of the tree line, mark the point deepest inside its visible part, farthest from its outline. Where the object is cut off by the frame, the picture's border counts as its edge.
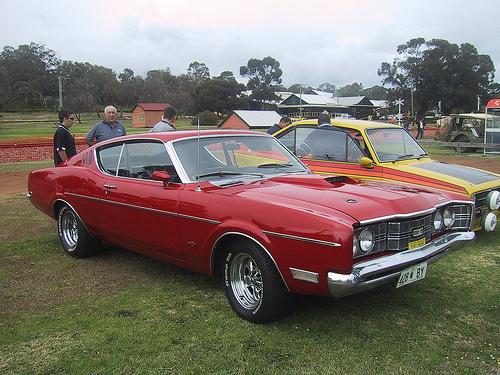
(436, 71)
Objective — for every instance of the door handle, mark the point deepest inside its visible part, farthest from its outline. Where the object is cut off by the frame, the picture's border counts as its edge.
(109, 187)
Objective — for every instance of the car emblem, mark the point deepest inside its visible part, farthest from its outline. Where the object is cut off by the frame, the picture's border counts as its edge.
(417, 232)
(351, 200)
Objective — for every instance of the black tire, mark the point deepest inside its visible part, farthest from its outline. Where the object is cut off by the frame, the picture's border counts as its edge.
(75, 239)
(253, 285)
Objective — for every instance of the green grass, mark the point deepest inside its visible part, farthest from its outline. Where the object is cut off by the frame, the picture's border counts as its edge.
(119, 312)
(39, 124)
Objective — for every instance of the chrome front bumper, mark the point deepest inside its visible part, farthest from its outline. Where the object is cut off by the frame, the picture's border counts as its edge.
(372, 273)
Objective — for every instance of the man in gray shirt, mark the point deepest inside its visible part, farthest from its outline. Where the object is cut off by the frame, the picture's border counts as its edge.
(167, 124)
(106, 129)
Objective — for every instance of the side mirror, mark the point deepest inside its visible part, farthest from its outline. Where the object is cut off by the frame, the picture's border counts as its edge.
(161, 176)
(366, 162)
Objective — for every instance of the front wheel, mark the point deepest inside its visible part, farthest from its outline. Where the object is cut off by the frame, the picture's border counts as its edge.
(75, 239)
(253, 285)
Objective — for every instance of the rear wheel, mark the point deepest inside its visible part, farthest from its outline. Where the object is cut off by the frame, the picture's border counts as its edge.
(75, 239)
(253, 285)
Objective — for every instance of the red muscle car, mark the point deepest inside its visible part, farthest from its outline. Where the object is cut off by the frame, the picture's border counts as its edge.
(239, 204)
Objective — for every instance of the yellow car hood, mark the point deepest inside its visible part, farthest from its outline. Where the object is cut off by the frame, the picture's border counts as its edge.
(471, 179)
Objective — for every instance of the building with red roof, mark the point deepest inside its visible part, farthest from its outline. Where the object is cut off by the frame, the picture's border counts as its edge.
(146, 115)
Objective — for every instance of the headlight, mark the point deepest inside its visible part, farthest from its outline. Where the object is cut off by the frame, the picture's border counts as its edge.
(493, 200)
(366, 241)
(354, 245)
(438, 221)
(448, 217)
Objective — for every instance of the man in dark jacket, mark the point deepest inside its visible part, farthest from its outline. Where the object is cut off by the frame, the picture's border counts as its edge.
(64, 142)
(284, 121)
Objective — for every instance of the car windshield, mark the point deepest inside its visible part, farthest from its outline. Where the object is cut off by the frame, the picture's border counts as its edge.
(392, 144)
(235, 157)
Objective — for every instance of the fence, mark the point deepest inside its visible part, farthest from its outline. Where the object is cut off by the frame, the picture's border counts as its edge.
(462, 146)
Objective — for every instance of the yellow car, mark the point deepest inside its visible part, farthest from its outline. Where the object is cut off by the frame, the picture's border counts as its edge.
(378, 151)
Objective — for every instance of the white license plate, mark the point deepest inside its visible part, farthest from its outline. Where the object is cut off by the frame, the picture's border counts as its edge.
(412, 274)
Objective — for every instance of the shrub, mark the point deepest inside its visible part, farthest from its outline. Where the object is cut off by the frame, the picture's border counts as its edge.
(206, 118)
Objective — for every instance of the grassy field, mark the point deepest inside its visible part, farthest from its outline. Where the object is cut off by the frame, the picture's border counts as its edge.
(122, 313)
(40, 124)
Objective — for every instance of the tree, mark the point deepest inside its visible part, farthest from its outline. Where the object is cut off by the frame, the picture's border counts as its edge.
(198, 72)
(353, 89)
(217, 95)
(226, 76)
(28, 76)
(375, 92)
(438, 71)
(296, 88)
(327, 87)
(262, 75)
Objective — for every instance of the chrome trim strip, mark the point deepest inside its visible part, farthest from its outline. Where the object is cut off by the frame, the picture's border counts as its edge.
(199, 219)
(298, 238)
(148, 209)
(374, 272)
(254, 240)
(298, 274)
(82, 196)
(412, 214)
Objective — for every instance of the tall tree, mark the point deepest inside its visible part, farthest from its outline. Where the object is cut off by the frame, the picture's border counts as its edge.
(375, 92)
(327, 87)
(262, 75)
(198, 72)
(28, 75)
(438, 72)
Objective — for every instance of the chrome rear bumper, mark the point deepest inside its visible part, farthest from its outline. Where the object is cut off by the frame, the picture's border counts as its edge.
(372, 273)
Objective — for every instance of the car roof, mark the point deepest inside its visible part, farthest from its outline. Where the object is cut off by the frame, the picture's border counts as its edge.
(354, 124)
(178, 134)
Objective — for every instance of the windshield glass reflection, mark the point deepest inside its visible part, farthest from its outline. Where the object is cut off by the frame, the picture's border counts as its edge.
(394, 144)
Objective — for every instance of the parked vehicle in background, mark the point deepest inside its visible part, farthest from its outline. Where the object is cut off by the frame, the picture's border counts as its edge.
(240, 205)
(374, 151)
(463, 127)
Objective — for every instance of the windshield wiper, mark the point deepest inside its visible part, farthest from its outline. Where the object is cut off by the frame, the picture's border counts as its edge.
(403, 157)
(275, 165)
(227, 173)
(422, 155)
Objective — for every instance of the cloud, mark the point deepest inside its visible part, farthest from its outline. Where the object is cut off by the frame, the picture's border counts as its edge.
(315, 41)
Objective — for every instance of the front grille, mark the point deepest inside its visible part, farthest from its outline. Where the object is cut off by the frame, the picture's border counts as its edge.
(396, 234)
(400, 233)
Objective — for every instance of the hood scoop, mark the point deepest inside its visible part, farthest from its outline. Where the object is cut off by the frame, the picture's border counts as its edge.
(315, 180)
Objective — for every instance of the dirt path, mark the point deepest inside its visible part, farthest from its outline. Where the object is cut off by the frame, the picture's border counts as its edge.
(13, 183)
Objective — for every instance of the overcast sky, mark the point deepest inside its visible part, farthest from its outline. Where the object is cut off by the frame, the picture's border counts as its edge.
(315, 41)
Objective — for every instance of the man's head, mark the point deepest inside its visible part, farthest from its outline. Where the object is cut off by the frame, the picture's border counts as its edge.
(110, 114)
(284, 121)
(169, 114)
(66, 118)
(324, 118)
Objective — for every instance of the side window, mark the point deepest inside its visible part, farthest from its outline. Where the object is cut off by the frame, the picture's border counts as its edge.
(108, 158)
(141, 159)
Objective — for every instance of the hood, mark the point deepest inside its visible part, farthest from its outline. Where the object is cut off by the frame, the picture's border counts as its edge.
(361, 201)
(472, 179)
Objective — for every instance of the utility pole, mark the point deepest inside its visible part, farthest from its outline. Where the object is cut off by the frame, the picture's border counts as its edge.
(60, 93)
(300, 103)
(412, 114)
(478, 103)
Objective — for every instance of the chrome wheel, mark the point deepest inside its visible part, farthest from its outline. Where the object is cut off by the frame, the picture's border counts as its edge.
(69, 229)
(246, 281)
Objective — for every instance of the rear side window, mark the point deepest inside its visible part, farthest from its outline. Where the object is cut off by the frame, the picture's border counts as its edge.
(108, 158)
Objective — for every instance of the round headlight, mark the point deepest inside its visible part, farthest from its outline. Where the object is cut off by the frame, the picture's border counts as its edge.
(493, 200)
(438, 221)
(366, 241)
(448, 217)
(354, 245)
